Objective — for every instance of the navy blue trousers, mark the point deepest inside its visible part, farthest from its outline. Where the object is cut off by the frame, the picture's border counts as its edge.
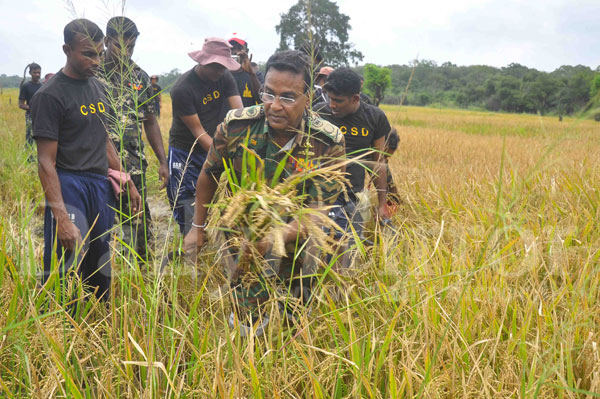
(89, 200)
(183, 175)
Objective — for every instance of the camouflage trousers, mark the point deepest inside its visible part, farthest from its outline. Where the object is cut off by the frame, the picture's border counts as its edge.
(28, 130)
(137, 232)
(255, 283)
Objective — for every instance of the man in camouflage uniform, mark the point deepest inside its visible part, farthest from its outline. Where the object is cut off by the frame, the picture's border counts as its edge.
(281, 126)
(130, 94)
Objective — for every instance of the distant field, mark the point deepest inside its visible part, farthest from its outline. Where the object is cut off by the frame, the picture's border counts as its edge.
(489, 286)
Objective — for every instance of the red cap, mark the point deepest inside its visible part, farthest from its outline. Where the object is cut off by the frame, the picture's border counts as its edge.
(238, 38)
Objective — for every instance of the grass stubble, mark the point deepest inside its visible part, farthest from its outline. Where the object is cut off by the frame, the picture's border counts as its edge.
(488, 285)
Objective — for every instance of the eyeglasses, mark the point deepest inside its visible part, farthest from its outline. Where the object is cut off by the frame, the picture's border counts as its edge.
(269, 98)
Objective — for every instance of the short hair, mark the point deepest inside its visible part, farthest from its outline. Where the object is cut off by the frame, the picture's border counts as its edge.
(121, 27)
(33, 66)
(83, 27)
(393, 140)
(343, 82)
(291, 61)
(313, 51)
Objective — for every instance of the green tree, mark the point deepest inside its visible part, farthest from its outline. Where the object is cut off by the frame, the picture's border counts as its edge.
(320, 23)
(595, 87)
(377, 79)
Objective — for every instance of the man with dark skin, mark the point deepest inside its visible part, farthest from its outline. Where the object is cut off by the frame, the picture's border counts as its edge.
(26, 92)
(131, 105)
(198, 98)
(247, 81)
(74, 155)
(280, 126)
(365, 128)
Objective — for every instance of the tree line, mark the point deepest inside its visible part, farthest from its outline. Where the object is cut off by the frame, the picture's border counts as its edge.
(514, 88)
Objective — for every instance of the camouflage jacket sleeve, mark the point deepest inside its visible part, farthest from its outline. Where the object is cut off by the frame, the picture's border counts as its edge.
(217, 154)
(146, 100)
(323, 188)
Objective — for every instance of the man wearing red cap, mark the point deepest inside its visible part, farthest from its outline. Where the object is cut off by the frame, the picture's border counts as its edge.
(198, 97)
(247, 82)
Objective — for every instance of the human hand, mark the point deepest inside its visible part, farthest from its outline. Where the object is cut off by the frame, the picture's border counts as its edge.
(383, 212)
(245, 61)
(68, 234)
(193, 241)
(163, 175)
(263, 246)
(135, 200)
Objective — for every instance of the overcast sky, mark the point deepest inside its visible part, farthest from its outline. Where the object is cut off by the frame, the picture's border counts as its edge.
(543, 34)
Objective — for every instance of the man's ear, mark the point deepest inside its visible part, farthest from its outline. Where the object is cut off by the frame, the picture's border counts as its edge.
(355, 98)
(67, 49)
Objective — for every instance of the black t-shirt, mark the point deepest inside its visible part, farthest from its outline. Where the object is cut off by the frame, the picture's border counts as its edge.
(73, 112)
(244, 85)
(360, 131)
(191, 96)
(365, 99)
(27, 91)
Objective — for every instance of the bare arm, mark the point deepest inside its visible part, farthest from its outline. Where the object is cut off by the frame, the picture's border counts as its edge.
(206, 186)
(381, 177)
(247, 66)
(22, 105)
(235, 102)
(155, 139)
(193, 123)
(68, 234)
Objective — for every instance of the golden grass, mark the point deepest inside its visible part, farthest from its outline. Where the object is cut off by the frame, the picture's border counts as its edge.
(487, 287)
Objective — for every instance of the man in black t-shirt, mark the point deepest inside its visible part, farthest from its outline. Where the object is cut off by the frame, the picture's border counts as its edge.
(197, 97)
(26, 92)
(365, 128)
(74, 154)
(246, 79)
(156, 93)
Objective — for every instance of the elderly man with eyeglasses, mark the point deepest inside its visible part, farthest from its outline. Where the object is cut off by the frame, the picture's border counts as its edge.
(280, 127)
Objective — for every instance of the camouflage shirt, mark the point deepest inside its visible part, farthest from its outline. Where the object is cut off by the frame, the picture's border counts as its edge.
(317, 143)
(130, 95)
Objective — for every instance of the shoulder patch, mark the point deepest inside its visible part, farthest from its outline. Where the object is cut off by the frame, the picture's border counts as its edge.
(325, 127)
(248, 113)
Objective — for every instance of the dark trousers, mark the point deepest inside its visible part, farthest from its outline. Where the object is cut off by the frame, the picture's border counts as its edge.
(184, 169)
(88, 198)
(137, 231)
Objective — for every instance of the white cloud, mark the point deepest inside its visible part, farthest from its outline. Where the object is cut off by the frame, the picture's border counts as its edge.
(538, 33)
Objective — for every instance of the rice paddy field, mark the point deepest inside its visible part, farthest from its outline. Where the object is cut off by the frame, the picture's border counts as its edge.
(487, 285)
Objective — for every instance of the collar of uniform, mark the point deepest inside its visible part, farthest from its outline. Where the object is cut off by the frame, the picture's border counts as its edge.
(296, 140)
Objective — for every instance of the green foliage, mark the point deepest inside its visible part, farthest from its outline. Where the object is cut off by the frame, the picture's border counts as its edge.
(318, 22)
(167, 80)
(514, 88)
(377, 80)
(595, 87)
(10, 81)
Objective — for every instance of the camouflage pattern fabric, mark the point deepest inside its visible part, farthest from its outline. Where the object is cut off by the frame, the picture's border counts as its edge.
(316, 144)
(28, 132)
(130, 94)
